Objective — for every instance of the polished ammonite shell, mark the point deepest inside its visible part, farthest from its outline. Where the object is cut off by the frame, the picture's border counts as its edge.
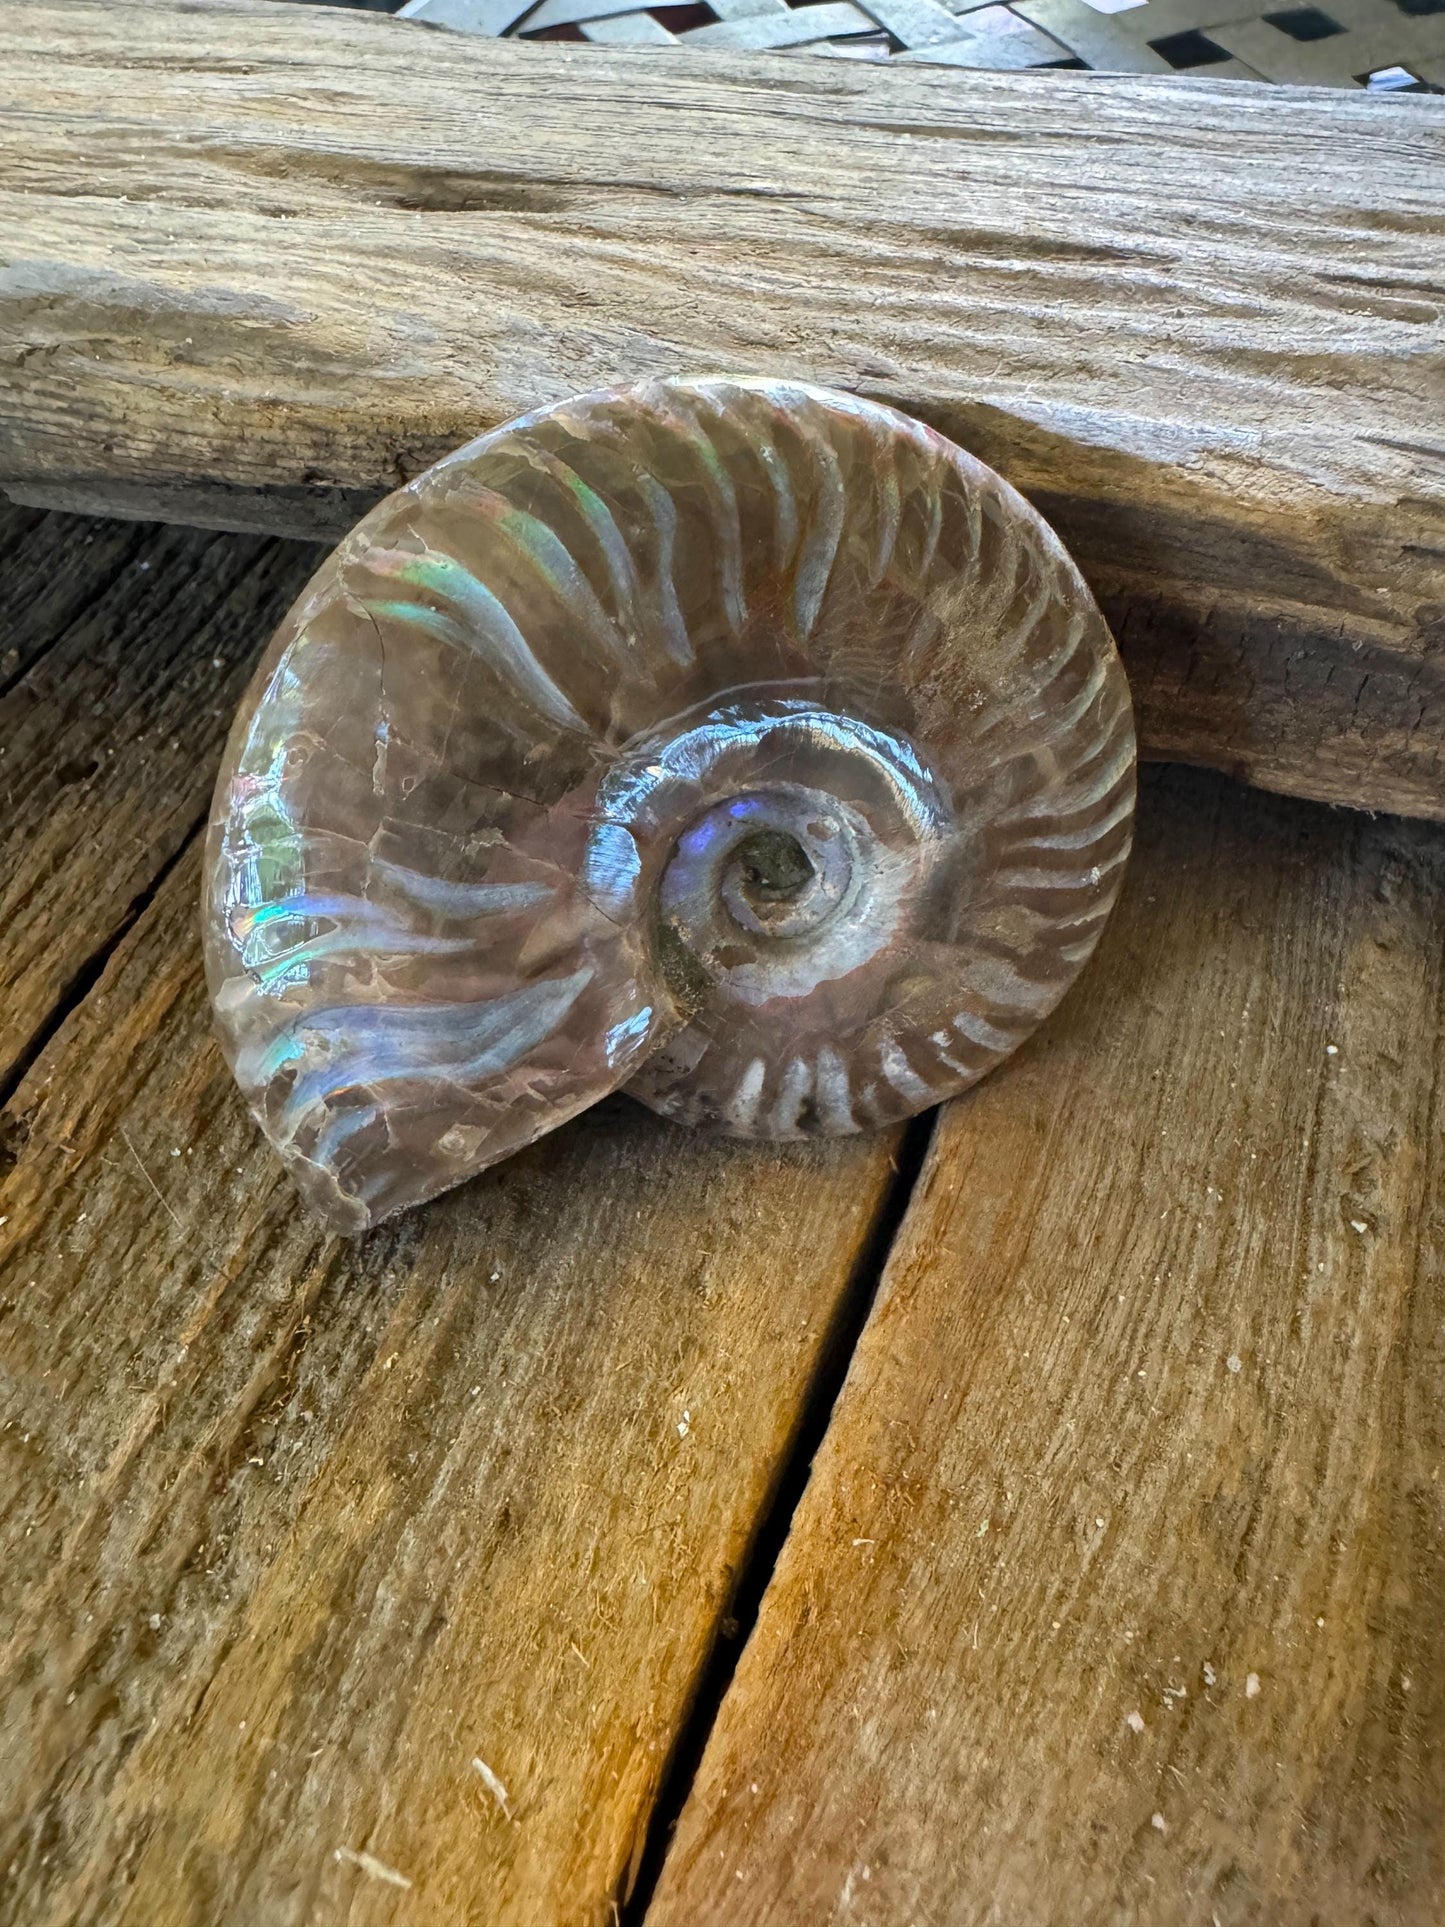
(739, 742)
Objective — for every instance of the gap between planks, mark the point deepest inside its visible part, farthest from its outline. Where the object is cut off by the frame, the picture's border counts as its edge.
(775, 1521)
(708, 1705)
(139, 680)
(124, 651)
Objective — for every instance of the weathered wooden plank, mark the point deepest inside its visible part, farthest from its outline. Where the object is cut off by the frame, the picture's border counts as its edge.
(308, 251)
(109, 741)
(293, 1532)
(54, 566)
(1118, 1592)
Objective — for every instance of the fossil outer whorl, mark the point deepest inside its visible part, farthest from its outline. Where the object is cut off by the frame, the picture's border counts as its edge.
(739, 742)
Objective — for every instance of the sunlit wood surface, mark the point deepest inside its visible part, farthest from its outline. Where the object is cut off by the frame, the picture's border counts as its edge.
(399, 1583)
(265, 262)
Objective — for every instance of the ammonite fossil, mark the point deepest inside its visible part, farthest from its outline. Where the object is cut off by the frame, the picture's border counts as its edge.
(737, 742)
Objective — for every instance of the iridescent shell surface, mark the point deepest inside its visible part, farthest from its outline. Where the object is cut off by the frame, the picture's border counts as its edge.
(737, 742)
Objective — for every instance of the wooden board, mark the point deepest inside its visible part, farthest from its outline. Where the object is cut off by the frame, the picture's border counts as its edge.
(1118, 1593)
(310, 249)
(136, 643)
(293, 1531)
(54, 566)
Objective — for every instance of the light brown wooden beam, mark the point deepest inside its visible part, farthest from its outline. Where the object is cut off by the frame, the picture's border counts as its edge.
(261, 262)
(1118, 1590)
(294, 1530)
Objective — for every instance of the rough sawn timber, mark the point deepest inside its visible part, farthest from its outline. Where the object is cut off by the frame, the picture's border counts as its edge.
(132, 644)
(262, 262)
(294, 1529)
(1118, 1591)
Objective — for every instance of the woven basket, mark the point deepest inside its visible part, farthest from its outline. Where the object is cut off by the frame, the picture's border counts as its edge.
(1394, 45)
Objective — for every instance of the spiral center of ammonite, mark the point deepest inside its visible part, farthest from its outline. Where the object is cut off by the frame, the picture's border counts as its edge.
(773, 887)
(773, 869)
(774, 864)
(789, 843)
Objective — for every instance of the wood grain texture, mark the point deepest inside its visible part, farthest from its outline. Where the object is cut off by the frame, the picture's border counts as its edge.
(1199, 324)
(1118, 1593)
(54, 567)
(135, 644)
(294, 1530)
